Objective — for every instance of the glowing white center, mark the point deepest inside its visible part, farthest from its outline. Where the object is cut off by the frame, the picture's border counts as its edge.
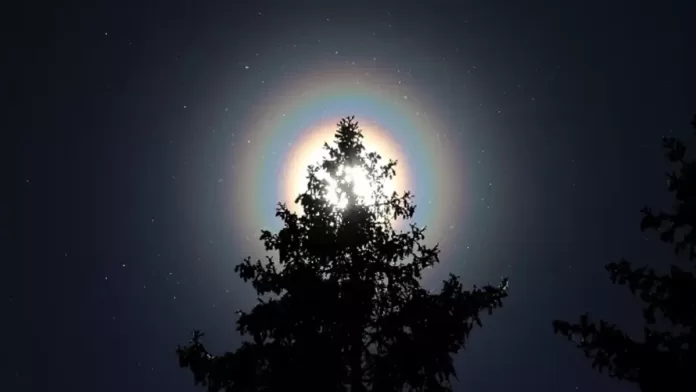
(311, 151)
(356, 177)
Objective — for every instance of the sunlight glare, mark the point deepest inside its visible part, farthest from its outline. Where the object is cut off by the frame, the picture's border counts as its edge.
(352, 175)
(310, 151)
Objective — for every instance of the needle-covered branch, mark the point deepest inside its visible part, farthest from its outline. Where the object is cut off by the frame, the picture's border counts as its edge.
(664, 359)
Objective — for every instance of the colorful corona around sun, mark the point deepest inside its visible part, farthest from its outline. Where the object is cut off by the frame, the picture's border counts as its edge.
(291, 128)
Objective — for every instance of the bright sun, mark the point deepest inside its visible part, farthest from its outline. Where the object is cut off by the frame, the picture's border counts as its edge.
(356, 177)
(310, 151)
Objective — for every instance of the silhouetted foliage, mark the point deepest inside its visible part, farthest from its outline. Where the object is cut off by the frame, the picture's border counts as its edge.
(665, 359)
(343, 309)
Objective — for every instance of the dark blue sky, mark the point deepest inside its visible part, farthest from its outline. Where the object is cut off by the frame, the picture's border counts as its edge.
(125, 223)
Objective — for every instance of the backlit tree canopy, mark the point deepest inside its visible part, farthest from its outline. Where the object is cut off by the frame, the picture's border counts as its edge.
(342, 309)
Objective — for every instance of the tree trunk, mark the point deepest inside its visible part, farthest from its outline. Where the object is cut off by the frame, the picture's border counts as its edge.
(355, 332)
(356, 384)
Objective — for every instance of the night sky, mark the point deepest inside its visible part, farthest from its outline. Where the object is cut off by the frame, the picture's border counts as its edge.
(148, 143)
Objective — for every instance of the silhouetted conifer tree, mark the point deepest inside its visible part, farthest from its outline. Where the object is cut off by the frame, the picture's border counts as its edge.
(664, 360)
(343, 308)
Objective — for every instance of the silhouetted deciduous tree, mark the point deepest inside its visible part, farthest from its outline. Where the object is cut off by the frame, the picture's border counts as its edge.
(343, 309)
(665, 358)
